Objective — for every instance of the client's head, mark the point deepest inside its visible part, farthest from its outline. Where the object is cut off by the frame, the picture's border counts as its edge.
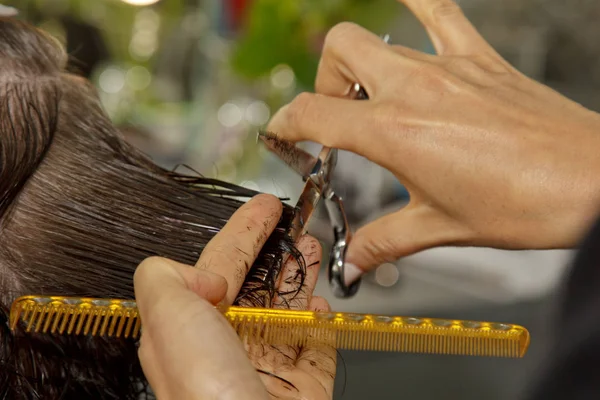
(79, 210)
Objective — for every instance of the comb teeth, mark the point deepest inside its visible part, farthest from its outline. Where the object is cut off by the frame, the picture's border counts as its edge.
(395, 338)
(120, 318)
(381, 333)
(76, 316)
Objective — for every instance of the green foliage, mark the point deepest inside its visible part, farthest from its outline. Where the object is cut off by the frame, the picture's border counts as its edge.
(291, 32)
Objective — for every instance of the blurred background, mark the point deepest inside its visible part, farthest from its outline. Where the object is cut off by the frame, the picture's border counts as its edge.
(191, 81)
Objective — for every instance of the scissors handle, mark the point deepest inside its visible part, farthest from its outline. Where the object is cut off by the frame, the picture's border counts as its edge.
(341, 230)
(342, 236)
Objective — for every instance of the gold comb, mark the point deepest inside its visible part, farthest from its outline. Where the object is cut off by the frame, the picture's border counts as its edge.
(120, 318)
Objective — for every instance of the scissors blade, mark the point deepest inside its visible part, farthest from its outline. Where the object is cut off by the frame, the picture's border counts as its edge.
(305, 208)
(302, 162)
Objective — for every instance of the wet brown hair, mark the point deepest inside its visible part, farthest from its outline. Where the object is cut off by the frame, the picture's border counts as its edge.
(79, 210)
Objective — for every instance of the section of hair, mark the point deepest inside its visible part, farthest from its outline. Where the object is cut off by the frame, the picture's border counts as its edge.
(79, 210)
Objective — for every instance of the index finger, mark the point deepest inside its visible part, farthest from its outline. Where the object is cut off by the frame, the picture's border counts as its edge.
(233, 250)
(338, 123)
(352, 54)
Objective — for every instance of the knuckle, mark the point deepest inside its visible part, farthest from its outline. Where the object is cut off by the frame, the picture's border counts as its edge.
(230, 254)
(434, 77)
(379, 251)
(464, 69)
(444, 9)
(427, 71)
(240, 256)
(384, 119)
(340, 35)
(494, 64)
(299, 109)
(475, 72)
(383, 116)
(461, 64)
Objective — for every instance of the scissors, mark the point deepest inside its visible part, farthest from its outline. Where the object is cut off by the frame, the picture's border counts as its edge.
(317, 173)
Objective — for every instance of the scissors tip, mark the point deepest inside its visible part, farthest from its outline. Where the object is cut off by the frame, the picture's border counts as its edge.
(259, 135)
(261, 132)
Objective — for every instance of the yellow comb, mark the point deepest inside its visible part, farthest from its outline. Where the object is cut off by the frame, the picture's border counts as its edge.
(120, 318)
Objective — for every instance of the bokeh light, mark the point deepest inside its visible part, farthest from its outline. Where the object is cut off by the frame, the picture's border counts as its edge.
(140, 2)
(258, 113)
(225, 170)
(138, 78)
(112, 80)
(229, 115)
(283, 77)
(144, 41)
(387, 275)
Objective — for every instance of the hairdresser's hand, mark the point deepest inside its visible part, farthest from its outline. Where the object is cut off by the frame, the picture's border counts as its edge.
(188, 350)
(490, 157)
(287, 372)
(290, 372)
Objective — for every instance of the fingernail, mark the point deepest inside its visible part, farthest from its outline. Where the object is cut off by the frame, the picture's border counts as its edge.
(351, 273)
(6, 11)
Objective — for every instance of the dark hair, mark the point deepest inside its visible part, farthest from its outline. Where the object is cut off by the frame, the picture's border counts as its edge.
(79, 210)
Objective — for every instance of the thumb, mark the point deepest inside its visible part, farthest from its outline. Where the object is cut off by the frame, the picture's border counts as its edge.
(157, 278)
(402, 233)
